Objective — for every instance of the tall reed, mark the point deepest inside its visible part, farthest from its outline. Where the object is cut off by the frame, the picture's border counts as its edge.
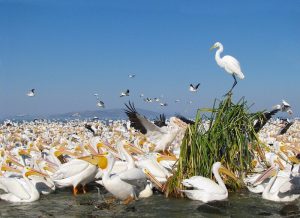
(229, 138)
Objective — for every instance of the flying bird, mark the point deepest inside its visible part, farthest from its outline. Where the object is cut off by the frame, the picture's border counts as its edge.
(141, 95)
(286, 107)
(149, 100)
(160, 121)
(163, 104)
(124, 93)
(100, 104)
(229, 63)
(157, 99)
(131, 76)
(177, 100)
(31, 93)
(194, 88)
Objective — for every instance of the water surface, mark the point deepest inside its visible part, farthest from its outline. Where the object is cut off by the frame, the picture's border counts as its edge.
(63, 204)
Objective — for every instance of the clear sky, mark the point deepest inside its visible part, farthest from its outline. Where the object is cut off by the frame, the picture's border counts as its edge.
(68, 50)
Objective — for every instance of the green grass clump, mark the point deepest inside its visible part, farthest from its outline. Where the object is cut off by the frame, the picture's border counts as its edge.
(230, 138)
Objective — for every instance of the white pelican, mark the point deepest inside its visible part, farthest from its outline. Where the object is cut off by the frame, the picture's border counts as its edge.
(161, 136)
(124, 185)
(282, 187)
(229, 63)
(78, 171)
(206, 189)
(20, 189)
(147, 192)
(100, 104)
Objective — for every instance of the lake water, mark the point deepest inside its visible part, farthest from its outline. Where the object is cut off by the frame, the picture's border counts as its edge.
(63, 204)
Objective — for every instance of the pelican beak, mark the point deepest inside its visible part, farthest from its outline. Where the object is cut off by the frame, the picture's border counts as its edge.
(33, 172)
(134, 149)
(99, 160)
(10, 169)
(10, 160)
(269, 172)
(153, 179)
(50, 169)
(294, 159)
(165, 157)
(228, 173)
(24, 152)
(281, 166)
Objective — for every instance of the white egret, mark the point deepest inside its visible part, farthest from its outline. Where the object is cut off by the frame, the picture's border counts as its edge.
(229, 63)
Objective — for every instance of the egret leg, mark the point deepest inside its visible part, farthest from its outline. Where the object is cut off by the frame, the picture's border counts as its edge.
(234, 84)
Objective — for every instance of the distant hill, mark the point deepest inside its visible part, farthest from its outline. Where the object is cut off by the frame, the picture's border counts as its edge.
(113, 114)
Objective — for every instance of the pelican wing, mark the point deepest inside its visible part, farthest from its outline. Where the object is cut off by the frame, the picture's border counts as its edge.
(135, 177)
(290, 187)
(70, 168)
(285, 128)
(184, 119)
(139, 122)
(202, 183)
(267, 116)
(14, 186)
(160, 121)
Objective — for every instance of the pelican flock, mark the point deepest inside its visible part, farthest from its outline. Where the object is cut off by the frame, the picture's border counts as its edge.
(129, 158)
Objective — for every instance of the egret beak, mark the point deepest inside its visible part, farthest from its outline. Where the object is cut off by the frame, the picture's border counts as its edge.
(153, 179)
(228, 173)
(212, 47)
(269, 172)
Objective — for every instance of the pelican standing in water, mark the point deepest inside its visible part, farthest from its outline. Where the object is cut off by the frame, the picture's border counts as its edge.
(229, 63)
(205, 189)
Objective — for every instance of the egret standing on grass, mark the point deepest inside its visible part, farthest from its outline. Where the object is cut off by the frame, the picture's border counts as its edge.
(229, 63)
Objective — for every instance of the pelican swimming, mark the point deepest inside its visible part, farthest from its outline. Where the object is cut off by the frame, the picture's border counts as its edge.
(205, 189)
(20, 189)
(282, 187)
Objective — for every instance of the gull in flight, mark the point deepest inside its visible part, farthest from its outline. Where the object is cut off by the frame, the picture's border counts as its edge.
(194, 88)
(31, 93)
(126, 93)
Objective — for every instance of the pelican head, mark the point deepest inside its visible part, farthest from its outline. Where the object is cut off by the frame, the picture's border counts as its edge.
(218, 167)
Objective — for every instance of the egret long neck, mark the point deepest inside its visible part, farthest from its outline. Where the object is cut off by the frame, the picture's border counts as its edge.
(218, 57)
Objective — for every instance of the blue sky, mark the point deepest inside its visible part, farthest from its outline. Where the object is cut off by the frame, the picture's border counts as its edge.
(68, 50)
